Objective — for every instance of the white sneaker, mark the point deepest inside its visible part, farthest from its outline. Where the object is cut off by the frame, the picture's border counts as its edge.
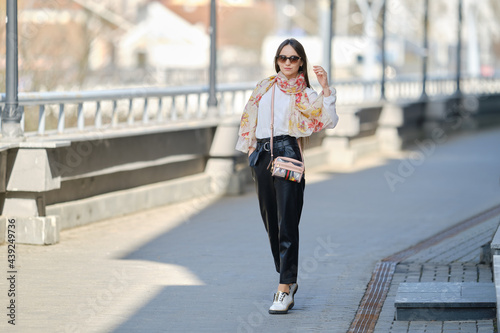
(281, 304)
(293, 290)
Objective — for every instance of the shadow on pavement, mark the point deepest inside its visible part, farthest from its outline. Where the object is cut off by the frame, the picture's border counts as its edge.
(350, 221)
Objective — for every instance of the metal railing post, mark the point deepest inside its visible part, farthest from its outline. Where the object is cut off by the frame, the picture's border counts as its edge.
(114, 116)
(80, 117)
(98, 115)
(145, 116)
(159, 114)
(41, 120)
(62, 119)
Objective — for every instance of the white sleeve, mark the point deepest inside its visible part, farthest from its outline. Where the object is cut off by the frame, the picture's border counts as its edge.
(328, 104)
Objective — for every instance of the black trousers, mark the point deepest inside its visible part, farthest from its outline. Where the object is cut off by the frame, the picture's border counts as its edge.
(280, 204)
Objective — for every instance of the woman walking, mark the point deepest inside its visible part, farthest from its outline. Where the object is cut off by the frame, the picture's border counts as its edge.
(298, 112)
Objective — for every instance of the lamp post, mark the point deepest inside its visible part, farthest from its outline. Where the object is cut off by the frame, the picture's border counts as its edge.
(12, 112)
(382, 85)
(328, 40)
(425, 57)
(212, 99)
(459, 47)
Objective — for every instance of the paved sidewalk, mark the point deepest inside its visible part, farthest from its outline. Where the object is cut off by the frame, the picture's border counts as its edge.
(206, 266)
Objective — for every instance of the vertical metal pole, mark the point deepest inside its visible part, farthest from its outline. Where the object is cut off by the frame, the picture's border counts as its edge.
(212, 99)
(325, 10)
(382, 85)
(329, 68)
(289, 23)
(459, 47)
(425, 57)
(12, 112)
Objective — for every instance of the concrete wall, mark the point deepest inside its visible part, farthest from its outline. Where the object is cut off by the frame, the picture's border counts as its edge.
(106, 165)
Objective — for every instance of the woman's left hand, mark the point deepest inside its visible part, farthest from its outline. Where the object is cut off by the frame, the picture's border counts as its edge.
(322, 78)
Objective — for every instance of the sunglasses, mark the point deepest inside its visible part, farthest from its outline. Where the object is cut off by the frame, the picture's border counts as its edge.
(283, 59)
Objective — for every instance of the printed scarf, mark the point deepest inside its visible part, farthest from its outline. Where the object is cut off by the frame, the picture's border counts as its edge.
(304, 117)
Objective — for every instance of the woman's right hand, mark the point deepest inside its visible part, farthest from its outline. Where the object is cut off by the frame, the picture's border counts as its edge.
(250, 151)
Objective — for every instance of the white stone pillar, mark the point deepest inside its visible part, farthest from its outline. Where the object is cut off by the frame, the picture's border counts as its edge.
(222, 164)
(30, 172)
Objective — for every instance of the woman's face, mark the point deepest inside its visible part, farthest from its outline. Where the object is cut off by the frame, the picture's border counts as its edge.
(289, 67)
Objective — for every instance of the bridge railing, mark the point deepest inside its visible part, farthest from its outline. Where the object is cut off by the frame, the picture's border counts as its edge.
(64, 112)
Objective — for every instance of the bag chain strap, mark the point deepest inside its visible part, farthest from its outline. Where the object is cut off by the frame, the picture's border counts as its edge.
(272, 131)
(272, 125)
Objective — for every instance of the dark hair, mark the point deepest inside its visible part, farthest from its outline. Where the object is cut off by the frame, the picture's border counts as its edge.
(300, 51)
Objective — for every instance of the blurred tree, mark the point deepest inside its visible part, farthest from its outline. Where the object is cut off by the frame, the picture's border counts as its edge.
(246, 28)
(55, 39)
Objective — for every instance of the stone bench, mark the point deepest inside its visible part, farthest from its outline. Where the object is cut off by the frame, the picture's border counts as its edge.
(355, 134)
(495, 251)
(400, 125)
(461, 301)
(445, 301)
